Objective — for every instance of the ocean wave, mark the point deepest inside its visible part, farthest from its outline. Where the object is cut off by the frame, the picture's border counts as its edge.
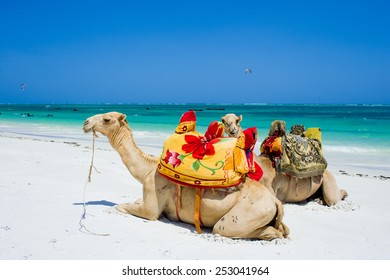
(255, 104)
(355, 149)
(150, 134)
(364, 105)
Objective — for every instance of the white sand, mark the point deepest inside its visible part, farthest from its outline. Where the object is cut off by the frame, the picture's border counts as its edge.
(41, 203)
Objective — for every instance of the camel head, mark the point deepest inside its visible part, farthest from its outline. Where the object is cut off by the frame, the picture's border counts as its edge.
(278, 128)
(232, 125)
(106, 124)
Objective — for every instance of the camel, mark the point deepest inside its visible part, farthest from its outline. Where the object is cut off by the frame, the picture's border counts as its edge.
(232, 125)
(289, 189)
(250, 211)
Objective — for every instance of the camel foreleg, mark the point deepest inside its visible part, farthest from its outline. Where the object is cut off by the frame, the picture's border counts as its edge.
(147, 207)
(330, 191)
(139, 209)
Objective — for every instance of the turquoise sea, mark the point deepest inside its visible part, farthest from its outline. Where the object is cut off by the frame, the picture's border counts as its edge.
(357, 135)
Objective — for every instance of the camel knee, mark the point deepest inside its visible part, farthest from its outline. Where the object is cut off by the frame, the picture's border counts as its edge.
(331, 200)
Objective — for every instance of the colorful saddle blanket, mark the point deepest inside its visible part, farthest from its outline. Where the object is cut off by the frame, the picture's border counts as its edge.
(301, 157)
(314, 133)
(298, 154)
(188, 161)
(209, 161)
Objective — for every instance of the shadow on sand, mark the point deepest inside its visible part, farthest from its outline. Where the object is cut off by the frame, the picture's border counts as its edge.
(100, 202)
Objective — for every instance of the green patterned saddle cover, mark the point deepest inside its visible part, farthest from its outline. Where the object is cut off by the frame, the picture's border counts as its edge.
(301, 157)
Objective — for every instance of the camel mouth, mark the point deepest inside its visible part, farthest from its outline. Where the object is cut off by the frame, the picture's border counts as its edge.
(87, 128)
(233, 133)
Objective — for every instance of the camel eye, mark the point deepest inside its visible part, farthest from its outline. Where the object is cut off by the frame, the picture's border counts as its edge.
(106, 120)
(237, 121)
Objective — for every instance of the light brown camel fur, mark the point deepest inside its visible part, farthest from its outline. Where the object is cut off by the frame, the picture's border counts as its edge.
(232, 125)
(248, 212)
(289, 188)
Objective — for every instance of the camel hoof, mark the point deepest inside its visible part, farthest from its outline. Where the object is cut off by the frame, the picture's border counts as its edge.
(343, 194)
(284, 230)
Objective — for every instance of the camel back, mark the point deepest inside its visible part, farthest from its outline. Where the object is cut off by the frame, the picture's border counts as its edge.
(190, 161)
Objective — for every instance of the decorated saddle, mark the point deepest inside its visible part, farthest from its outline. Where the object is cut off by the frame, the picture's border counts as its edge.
(298, 153)
(210, 160)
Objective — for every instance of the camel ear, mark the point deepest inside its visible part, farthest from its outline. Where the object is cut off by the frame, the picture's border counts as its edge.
(122, 118)
(240, 118)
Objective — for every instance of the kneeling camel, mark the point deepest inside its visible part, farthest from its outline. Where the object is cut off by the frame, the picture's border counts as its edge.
(250, 211)
(288, 188)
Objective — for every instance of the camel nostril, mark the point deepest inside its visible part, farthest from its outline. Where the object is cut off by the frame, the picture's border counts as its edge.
(86, 127)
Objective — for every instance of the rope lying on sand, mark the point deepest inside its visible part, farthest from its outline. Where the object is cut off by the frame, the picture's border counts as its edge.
(83, 228)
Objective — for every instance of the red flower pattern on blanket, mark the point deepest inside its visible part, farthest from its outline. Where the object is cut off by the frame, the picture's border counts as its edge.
(209, 160)
(172, 158)
(199, 146)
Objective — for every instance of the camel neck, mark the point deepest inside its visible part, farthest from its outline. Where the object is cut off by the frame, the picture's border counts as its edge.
(138, 163)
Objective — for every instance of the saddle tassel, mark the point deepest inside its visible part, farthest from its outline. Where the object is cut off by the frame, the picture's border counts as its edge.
(178, 200)
(197, 221)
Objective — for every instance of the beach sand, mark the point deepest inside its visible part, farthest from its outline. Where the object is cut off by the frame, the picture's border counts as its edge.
(44, 187)
(41, 204)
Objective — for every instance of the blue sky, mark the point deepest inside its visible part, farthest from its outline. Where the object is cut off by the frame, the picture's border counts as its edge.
(195, 51)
